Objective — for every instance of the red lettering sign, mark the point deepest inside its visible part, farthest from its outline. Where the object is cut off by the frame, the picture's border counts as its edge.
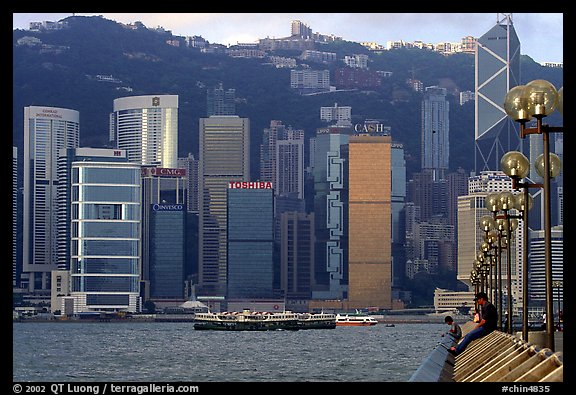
(250, 185)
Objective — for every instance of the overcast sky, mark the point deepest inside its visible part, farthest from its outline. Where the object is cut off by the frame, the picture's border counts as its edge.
(541, 34)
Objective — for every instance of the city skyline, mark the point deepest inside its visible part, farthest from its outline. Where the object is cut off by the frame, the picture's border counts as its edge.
(540, 33)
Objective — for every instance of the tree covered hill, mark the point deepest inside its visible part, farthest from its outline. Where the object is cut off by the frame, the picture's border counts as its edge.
(59, 68)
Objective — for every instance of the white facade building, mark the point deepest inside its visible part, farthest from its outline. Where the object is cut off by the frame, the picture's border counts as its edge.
(147, 128)
(46, 131)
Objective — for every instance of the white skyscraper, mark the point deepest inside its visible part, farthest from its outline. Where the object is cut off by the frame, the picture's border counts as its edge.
(147, 128)
(46, 131)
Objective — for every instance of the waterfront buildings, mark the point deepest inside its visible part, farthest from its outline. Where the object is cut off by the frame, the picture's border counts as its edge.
(435, 147)
(250, 221)
(536, 276)
(497, 71)
(471, 208)
(330, 210)
(46, 131)
(297, 254)
(105, 210)
(224, 157)
(370, 216)
(163, 233)
(220, 101)
(147, 128)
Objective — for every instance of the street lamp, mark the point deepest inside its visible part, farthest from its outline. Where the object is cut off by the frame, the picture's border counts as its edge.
(558, 285)
(538, 99)
(516, 166)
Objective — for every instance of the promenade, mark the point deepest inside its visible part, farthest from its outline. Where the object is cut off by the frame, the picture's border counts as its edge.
(496, 357)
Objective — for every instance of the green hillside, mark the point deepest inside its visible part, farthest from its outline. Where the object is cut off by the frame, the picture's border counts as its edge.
(61, 71)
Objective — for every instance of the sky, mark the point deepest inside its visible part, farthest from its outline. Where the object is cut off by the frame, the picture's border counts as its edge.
(541, 34)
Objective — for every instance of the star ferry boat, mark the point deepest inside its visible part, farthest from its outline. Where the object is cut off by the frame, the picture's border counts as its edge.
(247, 320)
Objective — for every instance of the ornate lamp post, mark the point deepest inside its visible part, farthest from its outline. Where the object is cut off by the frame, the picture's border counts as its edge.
(538, 99)
(517, 167)
(558, 285)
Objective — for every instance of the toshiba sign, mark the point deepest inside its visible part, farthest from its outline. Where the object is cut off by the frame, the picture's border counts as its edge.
(250, 185)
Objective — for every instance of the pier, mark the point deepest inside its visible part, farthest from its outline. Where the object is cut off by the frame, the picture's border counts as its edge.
(496, 357)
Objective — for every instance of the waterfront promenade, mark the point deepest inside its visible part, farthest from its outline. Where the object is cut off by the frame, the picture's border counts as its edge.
(496, 357)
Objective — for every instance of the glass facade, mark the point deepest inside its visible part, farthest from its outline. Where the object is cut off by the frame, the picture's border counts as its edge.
(167, 252)
(497, 71)
(250, 243)
(104, 232)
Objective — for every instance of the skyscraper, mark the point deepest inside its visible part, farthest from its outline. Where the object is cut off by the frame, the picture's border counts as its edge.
(163, 234)
(370, 217)
(46, 131)
(147, 128)
(250, 240)
(497, 71)
(435, 147)
(104, 229)
(224, 156)
(330, 211)
(220, 101)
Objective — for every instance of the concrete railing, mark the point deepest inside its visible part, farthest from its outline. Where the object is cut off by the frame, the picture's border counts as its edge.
(497, 356)
(500, 356)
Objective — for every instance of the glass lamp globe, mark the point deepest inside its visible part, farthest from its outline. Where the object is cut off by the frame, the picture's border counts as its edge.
(513, 224)
(514, 164)
(507, 200)
(516, 104)
(501, 224)
(485, 247)
(555, 165)
(492, 202)
(542, 98)
(487, 223)
(493, 237)
(480, 256)
(561, 101)
(521, 204)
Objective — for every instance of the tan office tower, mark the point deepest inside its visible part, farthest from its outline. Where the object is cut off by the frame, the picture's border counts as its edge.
(370, 222)
(224, 157)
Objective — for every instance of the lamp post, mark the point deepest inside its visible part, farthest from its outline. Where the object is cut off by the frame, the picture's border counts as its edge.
(558, 285)
(516, 166)
(538, 99)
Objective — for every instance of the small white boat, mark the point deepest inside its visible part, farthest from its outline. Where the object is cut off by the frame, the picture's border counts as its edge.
(355, 320)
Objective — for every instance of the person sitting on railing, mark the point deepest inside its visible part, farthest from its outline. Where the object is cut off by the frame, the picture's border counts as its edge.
(455, 329)
(487, 324)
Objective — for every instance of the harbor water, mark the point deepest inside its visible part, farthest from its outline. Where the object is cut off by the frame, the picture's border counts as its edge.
(175, 352)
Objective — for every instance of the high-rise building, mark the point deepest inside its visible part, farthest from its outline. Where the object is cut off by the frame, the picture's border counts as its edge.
(15, 214)
(398, 201)
(282, 159)
(340, 114)
(370, 217)
(435, 147)
(147, 128)
(497, 71)
(331, 214)
(104, 228)
(537, 271)
(297, 254)
(46, 131)
(471, 208)
(220, 101)
(190, 164)
(163, 233)
(224, 156)
(250, 240)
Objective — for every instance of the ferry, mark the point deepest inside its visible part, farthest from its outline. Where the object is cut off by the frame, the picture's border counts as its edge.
(355, 320)
(316, 321)
(246, 320)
